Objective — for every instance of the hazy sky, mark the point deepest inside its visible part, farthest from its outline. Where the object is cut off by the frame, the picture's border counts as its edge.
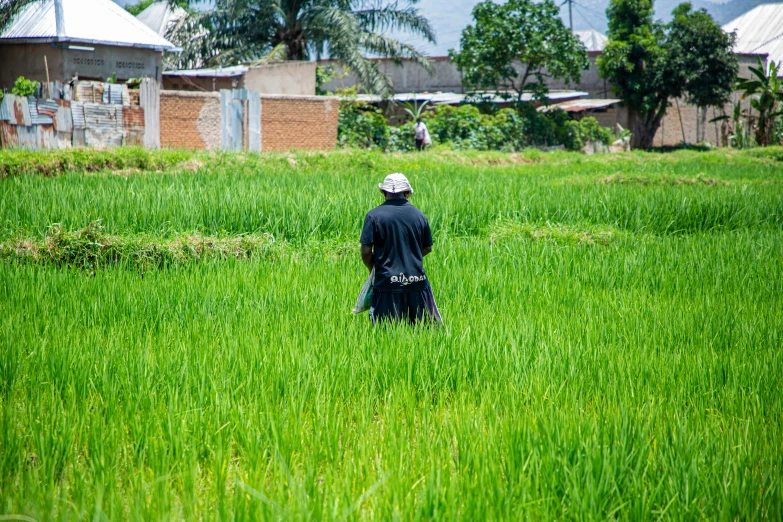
(450, 17)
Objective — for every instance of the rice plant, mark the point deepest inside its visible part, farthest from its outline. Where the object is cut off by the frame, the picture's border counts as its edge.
(611, 346)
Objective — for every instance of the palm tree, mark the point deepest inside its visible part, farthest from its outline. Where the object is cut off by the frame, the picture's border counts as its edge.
(237, 31)
(766, 93)
(9, 9)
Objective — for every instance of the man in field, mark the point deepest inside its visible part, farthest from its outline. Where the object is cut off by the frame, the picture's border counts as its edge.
(395, 238)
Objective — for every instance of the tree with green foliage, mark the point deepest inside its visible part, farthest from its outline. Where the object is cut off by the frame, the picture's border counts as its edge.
(236, 31)
(517, 46)
(650, 63)
(709, 72)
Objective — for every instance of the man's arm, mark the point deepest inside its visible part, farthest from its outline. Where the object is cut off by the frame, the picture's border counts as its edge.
(367, 257)
(426, 250)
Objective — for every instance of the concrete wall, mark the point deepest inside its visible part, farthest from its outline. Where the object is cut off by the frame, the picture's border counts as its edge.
(682, 121)
(191, 120)
(405, 75)
(200, 83)
(409, 76)
(287, 78)
(590, 82)
(28, 60)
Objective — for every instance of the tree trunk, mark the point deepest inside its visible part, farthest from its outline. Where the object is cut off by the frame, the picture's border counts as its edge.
(643, 129)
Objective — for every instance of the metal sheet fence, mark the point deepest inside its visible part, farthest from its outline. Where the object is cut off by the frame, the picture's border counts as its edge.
(100, 115)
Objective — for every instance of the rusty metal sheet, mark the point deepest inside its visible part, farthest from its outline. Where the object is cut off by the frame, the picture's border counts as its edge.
(118, 117)
(63, 119)
(91, 92)
(77, 115)
(27, 137)
(99, 115)
(17, 109)
(8, 137)
(48, 107)
(83, 92)
(103, 138)
(5, 112)
(64, 140)
(78, 139)
(104, 125)
(47, 138)
(115, 94)
(36, 118)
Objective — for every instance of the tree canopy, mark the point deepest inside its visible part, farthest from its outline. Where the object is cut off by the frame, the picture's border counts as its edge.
(517, 46)
(650, 63)
(237, 31)
(703, 52)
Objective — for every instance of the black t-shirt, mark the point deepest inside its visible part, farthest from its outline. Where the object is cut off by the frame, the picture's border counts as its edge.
(398, 232)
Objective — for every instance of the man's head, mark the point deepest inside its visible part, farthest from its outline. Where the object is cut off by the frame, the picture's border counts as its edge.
(418, 120)
(396, 186)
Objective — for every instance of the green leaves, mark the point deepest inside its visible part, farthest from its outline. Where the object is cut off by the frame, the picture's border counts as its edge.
(24, 87)
(347, 30)
(649, 62)
(516, 46)
(766, 93)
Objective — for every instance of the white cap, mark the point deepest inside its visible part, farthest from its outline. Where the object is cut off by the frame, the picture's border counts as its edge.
(395, 183)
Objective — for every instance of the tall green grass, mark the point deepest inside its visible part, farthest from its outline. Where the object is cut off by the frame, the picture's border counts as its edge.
(611, 347)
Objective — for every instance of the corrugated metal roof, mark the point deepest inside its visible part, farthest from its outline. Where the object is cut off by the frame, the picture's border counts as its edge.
(159, 16)
(580, 105)
(219, 72)
(98, 22)
(593, 40)
(759, 31)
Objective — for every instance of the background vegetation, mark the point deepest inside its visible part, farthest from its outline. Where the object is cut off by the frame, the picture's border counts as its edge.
(466, 127)
(611, 347)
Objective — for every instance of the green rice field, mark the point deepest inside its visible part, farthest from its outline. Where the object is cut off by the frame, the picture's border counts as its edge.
(176, 339)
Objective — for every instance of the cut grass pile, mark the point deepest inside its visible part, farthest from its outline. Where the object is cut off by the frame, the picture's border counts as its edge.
(611, 349)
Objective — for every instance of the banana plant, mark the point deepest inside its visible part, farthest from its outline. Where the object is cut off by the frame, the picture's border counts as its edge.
(414, 109)
(765, 91)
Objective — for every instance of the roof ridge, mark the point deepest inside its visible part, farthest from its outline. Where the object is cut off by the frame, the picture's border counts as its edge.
(100, 22)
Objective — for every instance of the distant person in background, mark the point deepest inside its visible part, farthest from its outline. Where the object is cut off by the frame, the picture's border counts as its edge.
(395, 238)
(421, 135)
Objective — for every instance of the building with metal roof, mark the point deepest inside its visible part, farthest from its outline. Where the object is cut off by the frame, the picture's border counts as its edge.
(160, 16)
(759, 31)
(93, 39)
(593, 41)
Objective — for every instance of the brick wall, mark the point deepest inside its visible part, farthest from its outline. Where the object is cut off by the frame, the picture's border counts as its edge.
(298, 122)
(191, 120)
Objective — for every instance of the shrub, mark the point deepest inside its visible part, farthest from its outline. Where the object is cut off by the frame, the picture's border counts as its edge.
(24, 87)
(579, 132)
(362, 125)
(465, 127)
